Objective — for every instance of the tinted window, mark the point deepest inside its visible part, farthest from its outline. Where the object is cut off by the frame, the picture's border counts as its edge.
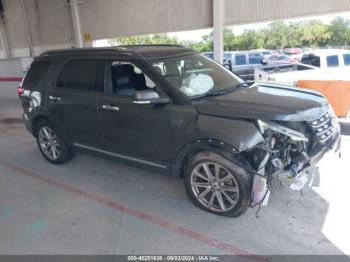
(254, 59)
(311, 60)
(332, 61)
(81, 74)
(36, 73)
(240, 60)
(346, 59)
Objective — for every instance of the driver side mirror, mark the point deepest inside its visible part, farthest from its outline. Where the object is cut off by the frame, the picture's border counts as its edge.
(228, 65)
(149, 97)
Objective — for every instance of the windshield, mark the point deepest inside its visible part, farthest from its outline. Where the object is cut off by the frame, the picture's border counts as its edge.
(196, 75)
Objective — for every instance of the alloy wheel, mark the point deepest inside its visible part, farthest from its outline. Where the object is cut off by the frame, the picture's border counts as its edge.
(49, 143)
(214, 187)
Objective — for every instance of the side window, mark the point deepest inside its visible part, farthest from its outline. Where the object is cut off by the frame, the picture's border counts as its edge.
(127, 78)
(254, 59)
(332, 61)
(346, 59)
(240, 60)
(82, 74)
(36, 73)
(311, 60)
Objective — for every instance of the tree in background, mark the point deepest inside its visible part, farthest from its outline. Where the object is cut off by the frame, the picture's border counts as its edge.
(314, 34)
(276, 35)
(339, 32)
(143, 40)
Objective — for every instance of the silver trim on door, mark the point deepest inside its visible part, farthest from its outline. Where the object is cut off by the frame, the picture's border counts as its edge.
(54, 98)
(110, 107)
(120, 156)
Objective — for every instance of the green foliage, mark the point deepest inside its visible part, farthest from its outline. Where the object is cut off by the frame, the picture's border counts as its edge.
(143, 40)
(339, 32)
(277, 35)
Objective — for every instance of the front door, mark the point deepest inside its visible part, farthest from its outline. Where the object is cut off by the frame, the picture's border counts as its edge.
(142, 133)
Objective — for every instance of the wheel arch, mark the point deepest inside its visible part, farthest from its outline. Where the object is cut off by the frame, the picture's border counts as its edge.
(36, 120)
(42, 116)
(219, 147)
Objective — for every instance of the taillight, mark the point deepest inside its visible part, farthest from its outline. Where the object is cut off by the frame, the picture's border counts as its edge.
(20, 91)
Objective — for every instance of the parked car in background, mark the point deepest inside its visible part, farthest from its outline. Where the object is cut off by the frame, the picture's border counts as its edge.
(296, 53)
(327, 64)
(326, 71)
(242, 63)
(209, 55)
(286, 74)
(327, 58)
(281, 59)
(263, 52)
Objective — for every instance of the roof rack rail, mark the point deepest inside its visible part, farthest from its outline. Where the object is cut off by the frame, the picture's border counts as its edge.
(142, 45)
(79, 50)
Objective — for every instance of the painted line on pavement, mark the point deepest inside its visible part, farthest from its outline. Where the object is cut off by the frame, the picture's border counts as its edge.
(230, 249)
(10, 79)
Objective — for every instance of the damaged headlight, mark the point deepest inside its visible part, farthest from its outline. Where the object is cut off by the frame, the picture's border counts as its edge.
(293, 134)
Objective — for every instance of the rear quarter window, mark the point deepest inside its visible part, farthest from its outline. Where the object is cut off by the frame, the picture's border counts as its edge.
(36, 73)
(82, 74)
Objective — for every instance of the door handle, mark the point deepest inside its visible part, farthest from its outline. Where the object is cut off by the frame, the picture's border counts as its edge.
(110, 108)
(55, 98)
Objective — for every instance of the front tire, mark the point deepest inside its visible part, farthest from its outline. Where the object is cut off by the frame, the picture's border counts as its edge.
(51, 143)
(217, 185)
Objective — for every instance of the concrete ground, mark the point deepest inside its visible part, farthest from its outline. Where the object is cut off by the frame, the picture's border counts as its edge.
(96, 206)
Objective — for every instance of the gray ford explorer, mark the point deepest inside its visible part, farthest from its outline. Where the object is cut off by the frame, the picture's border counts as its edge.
(172, 110)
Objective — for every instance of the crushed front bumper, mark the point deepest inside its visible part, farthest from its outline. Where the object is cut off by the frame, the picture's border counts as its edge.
(309, 175)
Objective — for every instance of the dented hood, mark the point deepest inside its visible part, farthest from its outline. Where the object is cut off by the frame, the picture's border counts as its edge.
(267, 102)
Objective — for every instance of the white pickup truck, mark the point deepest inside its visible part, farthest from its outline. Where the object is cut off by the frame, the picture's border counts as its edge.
(323, 64)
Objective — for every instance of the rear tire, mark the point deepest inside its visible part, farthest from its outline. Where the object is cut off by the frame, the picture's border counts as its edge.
(51, 143)
(226, 191)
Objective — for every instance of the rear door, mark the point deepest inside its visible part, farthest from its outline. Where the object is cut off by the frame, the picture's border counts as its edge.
(254, 61)
(72, 99)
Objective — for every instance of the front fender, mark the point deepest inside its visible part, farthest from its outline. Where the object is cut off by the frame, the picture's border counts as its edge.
(226, 137)
(240, 134)
(204, 144)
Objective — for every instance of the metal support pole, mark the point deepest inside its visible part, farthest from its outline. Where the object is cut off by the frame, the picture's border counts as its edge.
(3, 37)
(218, 24)
(76, 23)
(27, 28)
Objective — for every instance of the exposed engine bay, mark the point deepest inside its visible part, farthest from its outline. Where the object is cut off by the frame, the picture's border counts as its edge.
(288, 154)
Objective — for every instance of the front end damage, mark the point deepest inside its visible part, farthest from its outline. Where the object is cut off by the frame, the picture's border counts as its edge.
(289, 153)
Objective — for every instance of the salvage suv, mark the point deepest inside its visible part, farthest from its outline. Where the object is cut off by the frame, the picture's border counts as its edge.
(172, 110)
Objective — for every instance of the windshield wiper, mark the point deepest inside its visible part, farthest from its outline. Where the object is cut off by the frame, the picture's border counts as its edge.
(222, 92)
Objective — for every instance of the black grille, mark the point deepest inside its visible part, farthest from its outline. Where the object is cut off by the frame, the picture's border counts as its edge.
(324, 127)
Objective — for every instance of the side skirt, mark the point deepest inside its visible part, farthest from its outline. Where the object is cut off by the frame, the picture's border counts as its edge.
(130, 160)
